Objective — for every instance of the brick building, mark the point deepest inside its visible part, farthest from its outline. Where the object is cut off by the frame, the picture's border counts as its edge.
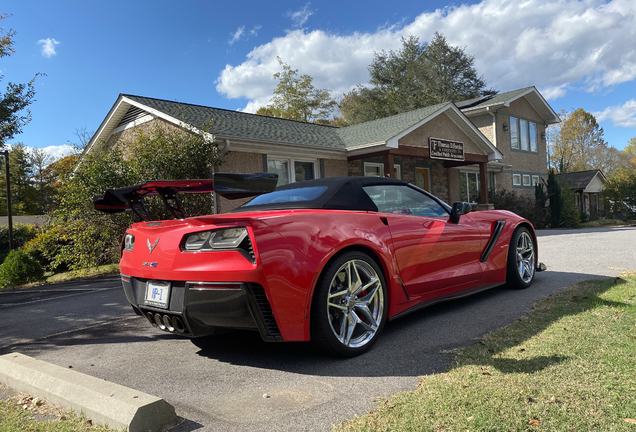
(449, 149)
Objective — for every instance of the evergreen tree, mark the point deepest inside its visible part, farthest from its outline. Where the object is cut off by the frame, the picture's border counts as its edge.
(416, 76)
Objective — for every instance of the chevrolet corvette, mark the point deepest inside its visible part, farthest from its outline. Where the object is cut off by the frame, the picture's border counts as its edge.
(330, 260)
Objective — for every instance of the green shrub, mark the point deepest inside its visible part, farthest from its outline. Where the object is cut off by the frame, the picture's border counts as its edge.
(527, 208)
(570, 214)
(19, 268)
(83, 237)
(46, 248)
(584, 217)
(22, 233)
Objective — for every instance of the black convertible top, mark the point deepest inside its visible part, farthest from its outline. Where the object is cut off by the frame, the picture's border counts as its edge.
(342, 193)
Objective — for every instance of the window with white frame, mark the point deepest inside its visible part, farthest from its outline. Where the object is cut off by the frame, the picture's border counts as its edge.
(526, 180)
(469, 186)
(292, 170)
(516, 179)
(533, 137)
(514, 133)
(535, 180)
(523, 135)
(373, 169)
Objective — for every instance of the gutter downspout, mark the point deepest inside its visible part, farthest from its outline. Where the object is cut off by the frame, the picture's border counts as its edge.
(223, 151)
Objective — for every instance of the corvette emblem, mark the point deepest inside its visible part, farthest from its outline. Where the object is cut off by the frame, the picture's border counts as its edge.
(151, 246)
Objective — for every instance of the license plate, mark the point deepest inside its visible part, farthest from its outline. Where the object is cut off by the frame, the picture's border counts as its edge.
(158, 293)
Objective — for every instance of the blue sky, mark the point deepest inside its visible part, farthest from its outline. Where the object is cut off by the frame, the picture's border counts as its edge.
(223, 54)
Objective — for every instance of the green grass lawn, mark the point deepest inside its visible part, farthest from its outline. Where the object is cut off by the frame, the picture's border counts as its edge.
(14, 418)
(569, 365)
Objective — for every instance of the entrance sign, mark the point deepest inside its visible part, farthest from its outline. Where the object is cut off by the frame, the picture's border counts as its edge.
(446, 149)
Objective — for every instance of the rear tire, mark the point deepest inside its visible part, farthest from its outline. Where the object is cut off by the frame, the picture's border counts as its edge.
(350, 305)
(522, 256)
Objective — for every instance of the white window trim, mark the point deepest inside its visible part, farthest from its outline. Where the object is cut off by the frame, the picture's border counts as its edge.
(538, 180)
(291, 162)
(517, 122)
(517, 183)
(477, 182)
(529, 177)
(396, 167)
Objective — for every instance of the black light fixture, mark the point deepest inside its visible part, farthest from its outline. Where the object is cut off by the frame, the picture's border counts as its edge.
(542, 135)
(505, 127)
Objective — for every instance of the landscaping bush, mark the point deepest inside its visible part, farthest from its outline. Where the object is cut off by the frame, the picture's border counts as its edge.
(525, 207)
(82, 237)
(19, 268)
(46, 248)
(22, 233)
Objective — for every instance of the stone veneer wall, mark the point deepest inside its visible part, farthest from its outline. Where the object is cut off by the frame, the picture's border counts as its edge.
(336, 168)
(439, 174)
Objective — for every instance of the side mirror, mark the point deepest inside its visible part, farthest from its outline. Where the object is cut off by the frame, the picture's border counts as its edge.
(459, 208)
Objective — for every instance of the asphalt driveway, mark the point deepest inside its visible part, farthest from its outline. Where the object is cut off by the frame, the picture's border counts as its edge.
(238, 382)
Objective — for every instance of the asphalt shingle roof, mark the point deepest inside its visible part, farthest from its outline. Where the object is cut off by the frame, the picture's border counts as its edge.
(263, 128)
(497, 99)
(384, 129)
(247, 126)
(577, 180)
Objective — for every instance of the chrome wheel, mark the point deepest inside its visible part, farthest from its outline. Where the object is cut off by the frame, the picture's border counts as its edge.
(525, 257)
(355, 303)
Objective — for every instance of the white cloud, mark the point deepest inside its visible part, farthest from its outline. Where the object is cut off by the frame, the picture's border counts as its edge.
(56, 151)
(300, 17)
(556, 45)
(620, 115)
(237, 35)
(48, 47)
(59, 151)
(554, 92)
(254, 31)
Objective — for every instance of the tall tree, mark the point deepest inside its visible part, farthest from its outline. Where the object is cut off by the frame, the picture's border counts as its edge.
(40, 160)
(296, 98)
(14, 103)
(577, 144)
(23, 192)
(628, 156)
(416, 76)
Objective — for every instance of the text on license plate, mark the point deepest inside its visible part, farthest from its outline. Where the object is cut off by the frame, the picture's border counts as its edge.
(158, 293)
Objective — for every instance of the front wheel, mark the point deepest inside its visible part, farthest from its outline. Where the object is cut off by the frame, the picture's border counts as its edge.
(521, 259)
(350, 305)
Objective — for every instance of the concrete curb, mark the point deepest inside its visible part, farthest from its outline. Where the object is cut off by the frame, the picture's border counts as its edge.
(102, 401)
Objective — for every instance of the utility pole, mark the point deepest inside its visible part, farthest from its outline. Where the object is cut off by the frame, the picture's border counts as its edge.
(9, 215)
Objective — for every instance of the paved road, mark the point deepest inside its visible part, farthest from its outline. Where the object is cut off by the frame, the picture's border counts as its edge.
(219, 385)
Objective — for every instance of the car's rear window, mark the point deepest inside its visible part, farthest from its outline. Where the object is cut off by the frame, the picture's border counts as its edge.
(288, 195)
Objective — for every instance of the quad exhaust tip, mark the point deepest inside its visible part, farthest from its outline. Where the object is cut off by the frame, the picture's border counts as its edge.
(166, 322)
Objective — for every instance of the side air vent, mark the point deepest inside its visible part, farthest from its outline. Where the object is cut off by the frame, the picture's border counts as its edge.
(131, 115)
(263, 313)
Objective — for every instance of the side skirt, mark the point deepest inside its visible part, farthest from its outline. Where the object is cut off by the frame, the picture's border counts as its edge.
(451, 296)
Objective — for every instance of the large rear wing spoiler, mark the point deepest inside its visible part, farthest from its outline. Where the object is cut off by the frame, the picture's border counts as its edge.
(228, 185)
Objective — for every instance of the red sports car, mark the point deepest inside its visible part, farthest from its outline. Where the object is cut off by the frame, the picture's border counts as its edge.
(331, 260)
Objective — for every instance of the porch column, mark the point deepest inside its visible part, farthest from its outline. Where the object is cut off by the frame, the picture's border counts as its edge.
(388, 165)
(483, 182)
